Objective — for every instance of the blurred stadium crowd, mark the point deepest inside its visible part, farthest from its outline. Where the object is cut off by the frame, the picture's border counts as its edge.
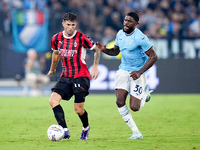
(101, 19)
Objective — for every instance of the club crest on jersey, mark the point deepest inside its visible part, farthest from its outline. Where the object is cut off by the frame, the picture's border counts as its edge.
(131, 41)
(75, 44)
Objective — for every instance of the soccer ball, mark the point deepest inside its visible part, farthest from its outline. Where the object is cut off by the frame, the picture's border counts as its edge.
(55, 132)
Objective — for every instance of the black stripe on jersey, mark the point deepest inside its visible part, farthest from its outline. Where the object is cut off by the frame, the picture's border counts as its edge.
(79, 52)
(61, 54)
(56, 42)
(61, 46)
(64, 62)
(58, 35)
(86, 43)
(66, 54)
(71, 58)
(90, 40)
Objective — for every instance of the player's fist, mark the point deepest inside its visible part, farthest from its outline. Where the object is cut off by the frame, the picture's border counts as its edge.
(101, 46)
(135, 75)
(51, 72)
(94, 72)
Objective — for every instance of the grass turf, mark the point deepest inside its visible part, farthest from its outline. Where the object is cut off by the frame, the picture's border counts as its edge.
(167, 122)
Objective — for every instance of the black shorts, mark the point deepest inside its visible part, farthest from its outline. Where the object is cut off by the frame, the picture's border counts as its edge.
(67, 87)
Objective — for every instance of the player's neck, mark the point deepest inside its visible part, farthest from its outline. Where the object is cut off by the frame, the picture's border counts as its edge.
(130, 32)
(69, 36)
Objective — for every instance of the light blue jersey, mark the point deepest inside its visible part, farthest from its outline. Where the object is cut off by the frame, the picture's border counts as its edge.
(132, 48)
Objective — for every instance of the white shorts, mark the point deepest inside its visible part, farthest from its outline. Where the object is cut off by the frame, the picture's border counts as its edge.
(135, 87)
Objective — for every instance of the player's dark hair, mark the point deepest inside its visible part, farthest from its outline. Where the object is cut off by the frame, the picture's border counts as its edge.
(69, 16)
(134, 15)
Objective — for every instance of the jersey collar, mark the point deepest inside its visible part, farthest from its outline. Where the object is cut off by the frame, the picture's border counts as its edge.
(131, 32)
(69, 37)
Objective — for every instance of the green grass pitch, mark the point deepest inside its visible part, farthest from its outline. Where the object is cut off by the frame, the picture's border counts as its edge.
(167, 122)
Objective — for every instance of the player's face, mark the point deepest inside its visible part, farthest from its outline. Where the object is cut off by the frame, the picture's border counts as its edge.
(69, 27)
(129, 24)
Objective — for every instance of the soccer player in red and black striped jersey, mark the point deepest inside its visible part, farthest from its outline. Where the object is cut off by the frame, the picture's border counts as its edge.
(69, 46)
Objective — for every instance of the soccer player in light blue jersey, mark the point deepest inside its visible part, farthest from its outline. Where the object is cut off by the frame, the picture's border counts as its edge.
(138, 55)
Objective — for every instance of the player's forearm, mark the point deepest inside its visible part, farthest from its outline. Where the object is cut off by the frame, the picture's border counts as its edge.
(149, 63)
(96, 56)
(55, 60)
(152, 58)
(111, 52)
(53, 66)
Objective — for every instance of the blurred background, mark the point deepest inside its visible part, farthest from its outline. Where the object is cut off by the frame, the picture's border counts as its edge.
(173, 27)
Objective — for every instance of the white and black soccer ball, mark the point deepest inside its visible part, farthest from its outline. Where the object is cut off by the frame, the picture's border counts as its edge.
(55, 132)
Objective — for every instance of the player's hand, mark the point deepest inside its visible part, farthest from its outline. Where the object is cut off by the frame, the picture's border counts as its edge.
(94, 72)
(135, 75)
(101, 46)
(51, 72)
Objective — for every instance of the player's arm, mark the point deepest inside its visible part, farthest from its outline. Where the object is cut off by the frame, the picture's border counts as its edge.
(112, 51)
(94, 71)
(152, 58)
(54, 62)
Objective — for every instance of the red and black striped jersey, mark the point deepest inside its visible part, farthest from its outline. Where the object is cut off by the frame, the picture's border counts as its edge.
(72, 52)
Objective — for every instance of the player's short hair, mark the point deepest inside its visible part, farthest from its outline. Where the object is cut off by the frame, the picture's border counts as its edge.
(134, 15)
(69, 16)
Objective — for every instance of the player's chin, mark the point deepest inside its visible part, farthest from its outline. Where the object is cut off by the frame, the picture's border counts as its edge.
(128, 31)
(70, 32)
(125, 30)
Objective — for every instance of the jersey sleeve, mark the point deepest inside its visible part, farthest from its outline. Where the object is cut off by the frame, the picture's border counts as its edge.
(144, 43)
(54, 43)
(88, 42)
